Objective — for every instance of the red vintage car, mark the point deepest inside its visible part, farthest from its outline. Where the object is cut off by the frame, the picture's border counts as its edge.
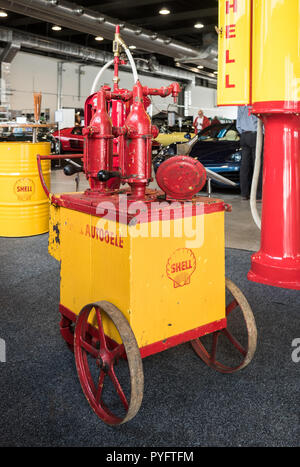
(68, 140)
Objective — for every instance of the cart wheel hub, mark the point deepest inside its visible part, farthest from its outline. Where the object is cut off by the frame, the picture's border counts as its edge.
(101, 363)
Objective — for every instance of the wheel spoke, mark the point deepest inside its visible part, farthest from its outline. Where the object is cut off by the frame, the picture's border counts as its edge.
(101, 330)
(118, 388)
(214, 346)
(243, 351)
(231, 307)
(89, 348)
(234, 342)
(117, 352)
(100, 386)
(88, 375)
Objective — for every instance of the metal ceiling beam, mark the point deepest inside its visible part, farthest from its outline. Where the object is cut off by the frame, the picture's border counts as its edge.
(24, 21)
(10, 51)
(129, 4)
(87, 21)
(190, 31)
(76, 53)
(197, 15)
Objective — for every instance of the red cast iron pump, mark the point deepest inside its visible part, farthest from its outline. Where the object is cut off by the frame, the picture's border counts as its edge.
(118, 142)
(98, 144)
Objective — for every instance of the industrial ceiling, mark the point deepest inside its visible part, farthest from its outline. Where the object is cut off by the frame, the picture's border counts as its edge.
(173, 36)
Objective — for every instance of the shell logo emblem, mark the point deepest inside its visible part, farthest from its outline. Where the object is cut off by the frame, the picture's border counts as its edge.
(180, 267)
(24, 189)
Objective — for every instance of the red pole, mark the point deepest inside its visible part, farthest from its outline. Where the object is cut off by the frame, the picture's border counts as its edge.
(278, 260)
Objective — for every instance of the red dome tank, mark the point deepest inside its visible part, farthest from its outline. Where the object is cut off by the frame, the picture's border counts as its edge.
(181, 177)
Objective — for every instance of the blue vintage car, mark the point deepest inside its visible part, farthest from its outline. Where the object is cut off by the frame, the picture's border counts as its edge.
(217, 147)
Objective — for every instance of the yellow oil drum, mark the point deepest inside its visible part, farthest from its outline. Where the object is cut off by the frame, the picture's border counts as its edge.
(24, 206)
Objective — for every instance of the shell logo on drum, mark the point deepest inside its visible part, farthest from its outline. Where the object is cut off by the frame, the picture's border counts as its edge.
(24, 189)
(180, 267)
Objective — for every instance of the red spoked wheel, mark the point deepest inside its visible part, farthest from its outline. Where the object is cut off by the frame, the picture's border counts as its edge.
(232, 348)
(111, 375)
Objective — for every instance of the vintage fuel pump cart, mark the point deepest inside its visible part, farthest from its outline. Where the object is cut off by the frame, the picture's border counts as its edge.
(141, 270)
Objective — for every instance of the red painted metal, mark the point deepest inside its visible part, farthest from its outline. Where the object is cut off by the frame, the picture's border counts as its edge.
(173, 89)
(139, 141)
(98, 148)
(130, 130)
(97, 364)
(278, 260)
(105, 359)
(153, 205)
(156, 347)
(181, 177)
(281, 107)
(68, 318)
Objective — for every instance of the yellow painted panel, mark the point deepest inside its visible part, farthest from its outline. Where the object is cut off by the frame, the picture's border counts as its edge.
(276, 61)
(166, 302)
(94, 262)
(165, 284)
(54, 232)
(234, 52)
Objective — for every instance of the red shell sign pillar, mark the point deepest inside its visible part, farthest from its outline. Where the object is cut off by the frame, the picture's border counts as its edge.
(276, 99)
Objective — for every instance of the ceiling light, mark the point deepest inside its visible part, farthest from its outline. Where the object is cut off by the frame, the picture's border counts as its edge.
(132, 47)
(164, 11)
(56, 28)
(200, 67)
(198, 25)
(99, 38)
(3, 14)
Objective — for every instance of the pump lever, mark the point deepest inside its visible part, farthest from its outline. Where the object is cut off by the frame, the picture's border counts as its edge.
(105, 175)
(71, 169)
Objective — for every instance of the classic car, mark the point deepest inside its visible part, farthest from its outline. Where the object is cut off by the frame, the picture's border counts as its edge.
(68, 140)
(217, 147)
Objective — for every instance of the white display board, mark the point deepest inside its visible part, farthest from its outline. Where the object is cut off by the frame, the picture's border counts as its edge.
(65, 118)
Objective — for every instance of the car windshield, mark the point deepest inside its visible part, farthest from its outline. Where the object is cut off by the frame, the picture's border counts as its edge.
(77, 130)
(220, 131)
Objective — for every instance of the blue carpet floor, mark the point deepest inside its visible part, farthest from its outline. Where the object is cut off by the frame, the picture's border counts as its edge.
(186, 404)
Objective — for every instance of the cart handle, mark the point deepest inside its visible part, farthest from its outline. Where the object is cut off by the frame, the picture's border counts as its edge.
(40, 158)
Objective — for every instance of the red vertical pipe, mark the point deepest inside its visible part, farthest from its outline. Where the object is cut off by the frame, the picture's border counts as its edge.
(98, 144)
(139, 142)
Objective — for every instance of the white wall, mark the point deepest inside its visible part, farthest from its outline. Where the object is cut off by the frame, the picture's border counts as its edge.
(34, 73)
(206, 99)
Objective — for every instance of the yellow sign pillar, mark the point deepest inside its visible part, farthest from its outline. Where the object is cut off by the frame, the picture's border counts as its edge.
(276, 61)
(234, 75)
(259, 53)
